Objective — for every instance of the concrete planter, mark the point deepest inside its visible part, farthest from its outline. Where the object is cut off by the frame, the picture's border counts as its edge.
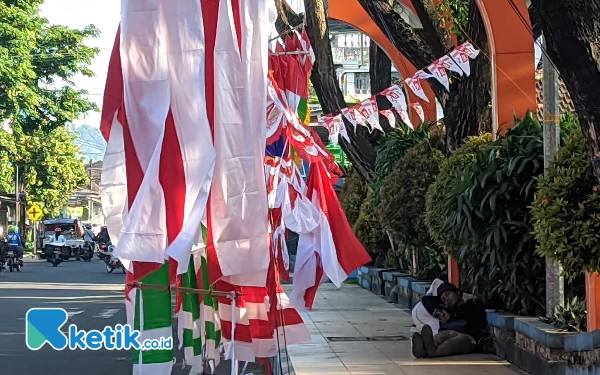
(540, 349)
(390, 282)
(377, 283)
(364, 279)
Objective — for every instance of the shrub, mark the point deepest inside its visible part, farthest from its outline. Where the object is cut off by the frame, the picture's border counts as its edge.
(489, 213)
(394, 147)
(369, 231)
(354, 193)
(402, 208)
(566, 210)
(437, 205)
(572, 317)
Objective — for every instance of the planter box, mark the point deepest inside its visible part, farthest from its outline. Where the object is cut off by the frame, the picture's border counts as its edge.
(390, 282)
(405, 291)
(377, 284)
(419, 290)
(364, 279)
(540, 349)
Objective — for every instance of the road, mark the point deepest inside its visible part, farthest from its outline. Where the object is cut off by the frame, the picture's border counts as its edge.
(92, 297)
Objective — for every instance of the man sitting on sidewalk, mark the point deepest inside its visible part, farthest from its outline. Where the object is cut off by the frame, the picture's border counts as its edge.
(462, 325)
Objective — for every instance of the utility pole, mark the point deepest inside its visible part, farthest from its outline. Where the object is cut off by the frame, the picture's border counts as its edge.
(555, 284)
(17, 205)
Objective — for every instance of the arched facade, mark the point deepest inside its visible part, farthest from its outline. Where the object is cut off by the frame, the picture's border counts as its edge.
(352, 13)
(511, 53)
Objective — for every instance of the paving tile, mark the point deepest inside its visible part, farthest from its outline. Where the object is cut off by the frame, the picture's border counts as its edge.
(354, 312)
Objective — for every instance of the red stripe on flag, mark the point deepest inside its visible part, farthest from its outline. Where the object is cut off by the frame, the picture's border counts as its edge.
(210, 16)
(237, 20)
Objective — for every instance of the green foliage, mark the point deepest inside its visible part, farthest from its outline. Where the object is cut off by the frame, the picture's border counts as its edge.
(52, 169)
(38, 63)
(490, 214)
(456, 12)
(438, 206)
(393, 148)
(572, 317)
(354, 192)
(402, 208)
(566, 209)
(369, 231)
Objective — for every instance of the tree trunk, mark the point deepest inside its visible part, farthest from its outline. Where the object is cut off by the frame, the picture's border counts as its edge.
(570, 29)
(380, 72)
(361, 152)
(466, 106)
(467, 111)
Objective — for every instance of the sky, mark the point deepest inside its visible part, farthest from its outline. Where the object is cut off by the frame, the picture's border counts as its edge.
(105, 16)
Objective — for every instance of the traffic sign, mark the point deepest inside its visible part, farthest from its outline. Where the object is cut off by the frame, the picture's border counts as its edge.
(35, 212)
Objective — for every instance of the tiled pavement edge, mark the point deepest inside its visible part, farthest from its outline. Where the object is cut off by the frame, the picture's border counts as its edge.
(341, 319)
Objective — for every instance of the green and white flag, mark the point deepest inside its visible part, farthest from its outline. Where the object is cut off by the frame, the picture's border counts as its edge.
(149, 311)
(199, 325)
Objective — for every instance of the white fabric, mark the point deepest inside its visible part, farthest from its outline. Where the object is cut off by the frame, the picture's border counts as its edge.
(421, 317)
(239, 221)
(147, 99)
(434, 287)
(187, 81)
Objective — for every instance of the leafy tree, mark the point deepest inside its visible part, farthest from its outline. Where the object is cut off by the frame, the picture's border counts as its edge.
(438, 207)
(402, 208)
(570, 28)
(38, 62)
(353, 194)
(566, 210)
(490, 215)
(52, 169)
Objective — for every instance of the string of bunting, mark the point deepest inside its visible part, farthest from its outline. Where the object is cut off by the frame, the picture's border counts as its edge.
(367, 113)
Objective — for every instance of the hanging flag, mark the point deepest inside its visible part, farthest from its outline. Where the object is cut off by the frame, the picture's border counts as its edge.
(349, 114)
(368, 110)
(342, 127)
(419, 109)
(406, 119)
(451, 65)
(238, 244)
(462, 54)
(415, 85)
(331, 251)
(149, 312)
(389, 114)
(332, 126)
(396, 96)
(438, 71)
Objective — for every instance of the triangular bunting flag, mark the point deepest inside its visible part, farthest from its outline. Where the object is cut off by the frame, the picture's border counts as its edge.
(415, 85)
(396, 97)
(389, 114)
(419, 109)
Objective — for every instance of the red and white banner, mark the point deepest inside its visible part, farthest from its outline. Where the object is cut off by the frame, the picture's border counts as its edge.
(417, 107)
(456, 61)
(396, 97)
(389, 114)
(462, 54)
(368, 109)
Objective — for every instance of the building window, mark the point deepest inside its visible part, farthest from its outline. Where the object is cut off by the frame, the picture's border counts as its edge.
(362, 83)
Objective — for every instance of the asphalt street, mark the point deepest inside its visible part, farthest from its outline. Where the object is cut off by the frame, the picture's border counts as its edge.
(93, 298)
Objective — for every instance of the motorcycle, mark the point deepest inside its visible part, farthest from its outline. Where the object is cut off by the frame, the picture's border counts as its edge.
(113, 263)
(13, 261)
(102, 251)
(54, 253)
(87, 252)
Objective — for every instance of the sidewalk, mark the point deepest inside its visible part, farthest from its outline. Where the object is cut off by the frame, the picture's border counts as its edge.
(342, 319)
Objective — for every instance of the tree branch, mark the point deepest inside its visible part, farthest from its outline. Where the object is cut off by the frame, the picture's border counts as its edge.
(434, 31)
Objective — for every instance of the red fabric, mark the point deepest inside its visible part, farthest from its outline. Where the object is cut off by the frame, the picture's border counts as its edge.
(210, 12)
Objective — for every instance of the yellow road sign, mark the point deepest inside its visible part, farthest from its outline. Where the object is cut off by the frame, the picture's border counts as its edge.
(35, 212)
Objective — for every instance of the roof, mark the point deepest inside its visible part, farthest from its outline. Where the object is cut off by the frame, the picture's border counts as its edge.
(59, 221)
